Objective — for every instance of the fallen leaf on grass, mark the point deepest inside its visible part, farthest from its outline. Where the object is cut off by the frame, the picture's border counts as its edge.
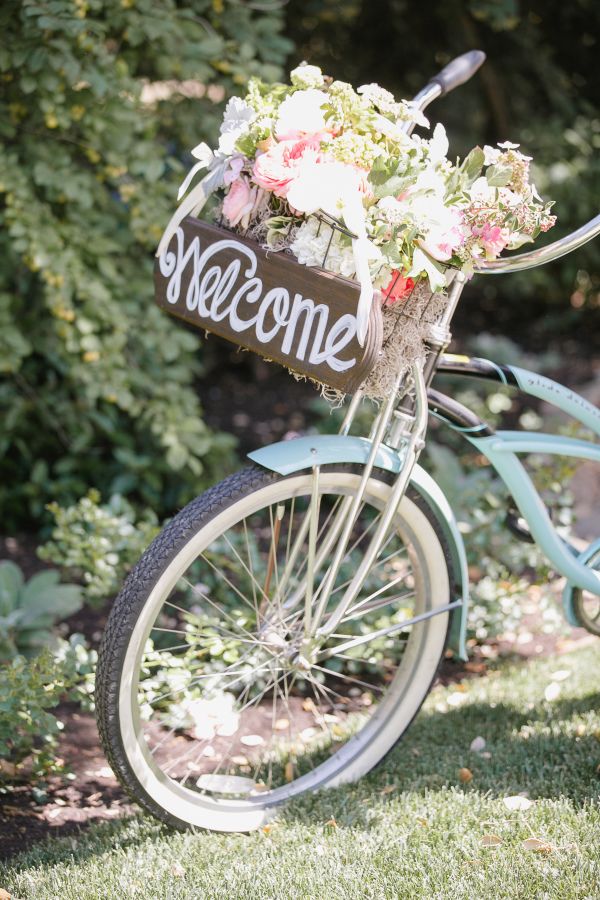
(560, 675)
(331, 824)
(252, 740)
(538, 845)
(422, 821)
(517, 802)
(457, 699)
(477, 744)
(552, 691)
(465, 775)
(490, 840)
(177, 870)
(477, 668)
(388, 789)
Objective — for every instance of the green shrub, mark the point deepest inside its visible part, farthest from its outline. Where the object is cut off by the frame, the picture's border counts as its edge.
(97, 385)
(98, 543)
(29, 732)
(28, 610)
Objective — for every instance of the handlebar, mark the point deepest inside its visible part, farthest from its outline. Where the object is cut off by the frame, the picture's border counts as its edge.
(459, 70)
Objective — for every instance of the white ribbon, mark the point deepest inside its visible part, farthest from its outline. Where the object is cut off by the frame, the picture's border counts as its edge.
(193, 203)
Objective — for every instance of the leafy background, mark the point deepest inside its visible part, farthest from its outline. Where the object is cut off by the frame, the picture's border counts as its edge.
(97, 387)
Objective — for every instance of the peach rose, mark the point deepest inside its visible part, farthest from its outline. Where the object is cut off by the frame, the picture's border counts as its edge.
(279, 166)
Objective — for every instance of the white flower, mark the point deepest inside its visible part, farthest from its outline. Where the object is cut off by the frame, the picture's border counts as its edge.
(311, 249)
(491, 155)
(305, 76)
(507, 145)
(423, 263)
(236, 122)
(392, 130)
(331, 186)
(301, 113)
(415, 114)
(379, 97)
(393, 210)
(482, 191)
(438, 145)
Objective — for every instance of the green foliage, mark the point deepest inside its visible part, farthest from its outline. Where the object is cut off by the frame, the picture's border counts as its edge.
(29, 689)
(95, 117)
(98, 543)
(28, 610)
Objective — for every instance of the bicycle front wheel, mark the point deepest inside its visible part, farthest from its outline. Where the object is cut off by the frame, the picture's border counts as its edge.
(216, 701)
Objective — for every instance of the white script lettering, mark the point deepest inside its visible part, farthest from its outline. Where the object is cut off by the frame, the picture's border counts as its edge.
(209, 292)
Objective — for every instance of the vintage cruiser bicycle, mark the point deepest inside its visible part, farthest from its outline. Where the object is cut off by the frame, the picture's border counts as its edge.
(282, 631)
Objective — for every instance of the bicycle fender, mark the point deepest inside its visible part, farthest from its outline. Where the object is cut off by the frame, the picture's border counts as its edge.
(567, 597)
(287, 457)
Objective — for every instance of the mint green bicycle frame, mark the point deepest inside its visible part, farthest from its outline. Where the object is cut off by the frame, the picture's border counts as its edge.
(503, 447)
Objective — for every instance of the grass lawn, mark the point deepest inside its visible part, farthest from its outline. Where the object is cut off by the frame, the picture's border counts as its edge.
(411, 829)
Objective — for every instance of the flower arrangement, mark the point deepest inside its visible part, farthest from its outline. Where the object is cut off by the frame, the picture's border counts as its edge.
(409, 214)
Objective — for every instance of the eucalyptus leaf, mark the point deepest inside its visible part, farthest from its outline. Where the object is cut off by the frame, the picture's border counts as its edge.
(499, 175)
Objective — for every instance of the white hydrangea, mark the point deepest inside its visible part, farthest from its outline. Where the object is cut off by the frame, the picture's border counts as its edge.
(310, 248)
(236, 122)
(305, 76)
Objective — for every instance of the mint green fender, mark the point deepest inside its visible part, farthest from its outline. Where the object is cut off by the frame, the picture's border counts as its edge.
(287, 457)
(591, 553)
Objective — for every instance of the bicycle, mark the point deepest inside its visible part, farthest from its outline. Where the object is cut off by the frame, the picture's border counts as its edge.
(283, 630)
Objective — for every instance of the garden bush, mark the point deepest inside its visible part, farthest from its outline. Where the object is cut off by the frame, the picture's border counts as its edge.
(98, 543)
(99, 99)
(29, 689)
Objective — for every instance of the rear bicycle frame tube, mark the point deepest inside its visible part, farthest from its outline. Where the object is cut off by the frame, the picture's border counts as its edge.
(501, 449)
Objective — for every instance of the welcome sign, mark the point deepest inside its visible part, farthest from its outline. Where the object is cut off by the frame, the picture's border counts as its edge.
(300, 317)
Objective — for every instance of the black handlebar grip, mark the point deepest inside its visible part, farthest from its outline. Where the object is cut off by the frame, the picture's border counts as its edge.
(459, 70)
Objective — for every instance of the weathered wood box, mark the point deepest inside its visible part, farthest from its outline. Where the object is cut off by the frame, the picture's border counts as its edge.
(301, 317)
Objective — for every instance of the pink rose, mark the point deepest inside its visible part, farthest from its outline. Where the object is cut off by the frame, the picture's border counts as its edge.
(279, 166)
(239, 201)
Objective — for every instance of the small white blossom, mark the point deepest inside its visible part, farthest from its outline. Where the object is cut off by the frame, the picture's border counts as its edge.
(491, 155)
(310, 249)
(305, 76)
(379, 97)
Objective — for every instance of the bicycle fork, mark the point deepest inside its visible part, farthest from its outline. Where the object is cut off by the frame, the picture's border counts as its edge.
(402, 423)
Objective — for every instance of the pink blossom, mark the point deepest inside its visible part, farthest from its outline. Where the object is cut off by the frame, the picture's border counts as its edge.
(492, 238)
(236, 164)
(239, 201)
(442, 240)
(275, 169)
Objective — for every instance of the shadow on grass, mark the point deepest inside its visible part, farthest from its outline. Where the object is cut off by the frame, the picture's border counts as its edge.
(537, 750)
